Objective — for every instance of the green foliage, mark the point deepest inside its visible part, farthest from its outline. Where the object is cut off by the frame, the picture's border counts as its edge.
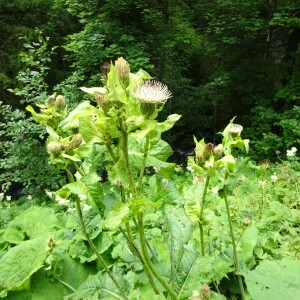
(23, 159)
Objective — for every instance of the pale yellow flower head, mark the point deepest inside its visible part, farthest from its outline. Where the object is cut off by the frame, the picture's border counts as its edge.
(151, 91)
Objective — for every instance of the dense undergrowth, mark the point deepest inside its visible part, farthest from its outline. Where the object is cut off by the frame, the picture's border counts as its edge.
(130, 225)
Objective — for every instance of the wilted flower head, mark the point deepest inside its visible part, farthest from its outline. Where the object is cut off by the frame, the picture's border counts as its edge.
(246, 221)
(235, 130)
(151, 91)
(291, 152)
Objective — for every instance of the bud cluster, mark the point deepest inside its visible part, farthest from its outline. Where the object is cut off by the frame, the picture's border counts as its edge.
(56, 101)
(209, 150)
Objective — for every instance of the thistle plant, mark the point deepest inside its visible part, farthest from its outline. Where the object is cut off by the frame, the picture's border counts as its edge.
(208, 160)
(122, 125)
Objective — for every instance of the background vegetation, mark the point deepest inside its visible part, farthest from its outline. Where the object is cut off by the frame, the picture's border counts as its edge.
(219, 58)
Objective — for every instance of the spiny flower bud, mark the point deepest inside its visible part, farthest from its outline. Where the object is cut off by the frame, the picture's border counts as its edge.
(75, 142)
(208, 150)
(200, 158)
(60, 102)
(235, 130)
(246, 221)
(205, 292)
(105, 68)
(101, 99)
(123, 69)
(218, 150)
(55, 148)
(50, 101)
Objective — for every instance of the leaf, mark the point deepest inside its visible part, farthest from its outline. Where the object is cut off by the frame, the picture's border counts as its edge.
(278, 279)
(248, 242)
(192, 206)
(180, 229)
(36, 221)
(40, 286)
(201, 269)
(82, 110)
(116, 91)
(88, 185)
(12, 235)
(21, 261)
(96, 286)
(89, 131)
(94, 90)
(116, 215)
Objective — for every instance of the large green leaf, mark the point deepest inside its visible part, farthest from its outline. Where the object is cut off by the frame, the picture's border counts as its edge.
(197, 270)
(20, 262)
(116, 215)
(99, 285)
(180, 229)
(82, 110)
(36, 221)
(115, 89)
(88, 185)
(89, 130)
(272, 280)
(248, 242)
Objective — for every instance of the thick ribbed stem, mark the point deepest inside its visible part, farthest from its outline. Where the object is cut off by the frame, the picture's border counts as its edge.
(235, 258)
(200, 216)
(168, 289)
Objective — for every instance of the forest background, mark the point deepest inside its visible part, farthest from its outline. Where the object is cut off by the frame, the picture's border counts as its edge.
(219, 58)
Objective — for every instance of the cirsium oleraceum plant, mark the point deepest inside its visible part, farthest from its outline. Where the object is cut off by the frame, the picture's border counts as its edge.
(119, 127)
(209, 160)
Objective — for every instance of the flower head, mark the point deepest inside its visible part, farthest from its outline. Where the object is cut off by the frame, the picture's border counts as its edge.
(151, 91)
(235, 130)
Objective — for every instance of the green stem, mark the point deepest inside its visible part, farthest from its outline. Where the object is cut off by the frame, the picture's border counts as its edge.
(135, 248)
(235, 258)
(200, 216)
(95, 250)
(111, 152)
(126, 158)
(148, 260)
(146, 151)
(65, 284)
(78, 169)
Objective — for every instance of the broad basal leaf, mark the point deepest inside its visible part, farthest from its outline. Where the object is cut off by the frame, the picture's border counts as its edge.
(20, 262)
(272, 280)
(180, 229)
(36, 221)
